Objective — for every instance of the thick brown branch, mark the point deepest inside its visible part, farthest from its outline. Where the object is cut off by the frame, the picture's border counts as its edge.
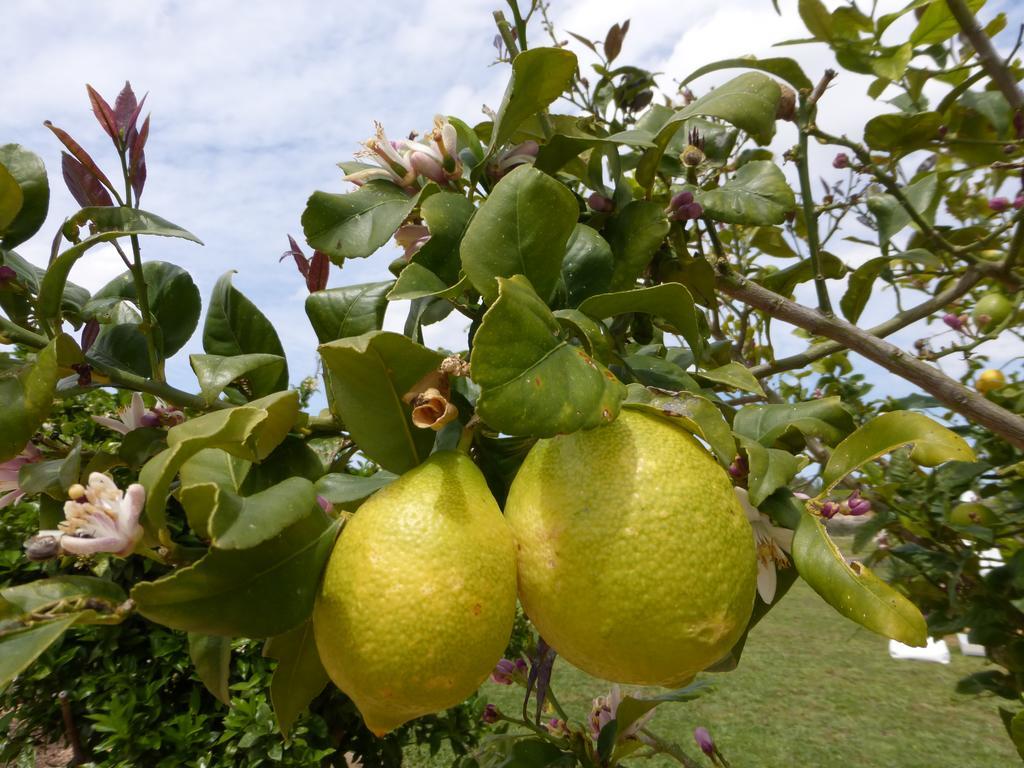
(987, 54)
(946, 390)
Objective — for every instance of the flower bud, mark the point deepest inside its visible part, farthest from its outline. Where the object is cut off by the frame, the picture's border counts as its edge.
(491, 714)
(504, 672)
(841, 160)
(704, 741)
(600, 203)
(953, 321)
(7, 275)
(41, 548)
(787, 104)
(999, 204)
(1018, 201)
(858, 506)
(679, 200)
(692, 156)
(324, 504)
(739, 467)
(830, 509)
(557, 727)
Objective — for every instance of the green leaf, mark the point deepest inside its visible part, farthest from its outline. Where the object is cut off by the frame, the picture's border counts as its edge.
(670, 302)
(369, 375)
(235, 326)
(933, 444)
(861, 281)
(27, 394)
(11, 199)
(249, 432)
(173, 300)
(748, 102)
(588, 265)
(816, 18)
(735, 376)
(770, 468)
(355, 224)
(242, 522)
(827, 419)
(633, 707)
(83, 596)
(434, 268)
(520, 229)
(346, 491)
(52, 477)
(892, 62)
(901, 132)
(697, 414)
(531, 381)
(561, 148)
(203, 476)
(785, 68)
(258, 592)
(591, 333)
(299, 676)
(891, 216)
(215, 372)
(212, 659)
(635, 235)
(937, 23)
(20, 648)
(1016, 730)
(785, 280)
(539, 76)
(758, 193)
(348, 311)
(852, 589)
(29, 173)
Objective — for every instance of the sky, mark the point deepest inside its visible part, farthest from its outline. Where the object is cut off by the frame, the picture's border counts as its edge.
(253, 103)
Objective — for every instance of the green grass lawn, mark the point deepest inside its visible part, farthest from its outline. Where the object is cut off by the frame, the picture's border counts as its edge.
(813, 689)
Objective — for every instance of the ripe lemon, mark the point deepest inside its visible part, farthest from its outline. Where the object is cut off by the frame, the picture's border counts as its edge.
(991, 310)
(990, 379)
(419, 595)
(636, 561)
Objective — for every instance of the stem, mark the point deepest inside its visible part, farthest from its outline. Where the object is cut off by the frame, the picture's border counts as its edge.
(508, 37)
(811, 220)
(987, 55)
(12, 333)
(969, 279)
(946, 390)
(670, 749)
(160, 389)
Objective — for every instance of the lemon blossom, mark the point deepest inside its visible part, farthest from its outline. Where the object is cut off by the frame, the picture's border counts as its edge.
(772, 544)
(136, 415)
(99, 517)
(606, 709)
(10, 491)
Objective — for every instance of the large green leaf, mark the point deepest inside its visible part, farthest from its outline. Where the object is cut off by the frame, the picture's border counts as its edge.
(369, 375)
(434, 268)
(235, 326)
(29, 173)
(84, 596)
(203, 477)
(933, 444)
(531, 381)
(241, 522)
(104, 225)
(257, 592)
(937, 24)
(862, 279)
(11, 199)
(520, 229)
(215, 372)
(561, 148)
(892, 217)
(784, 281)
(633, 707)
(355, 224)
(588, 265)
(826, 418)
(635, 236)
(346, 491)
(539, 76)
(697, 414)
(902, 132)
(758, 193)
(299, 677)
(670, 302)
(352, 310)
(785, 68)
(249, 432)
(769, 468)
(211, 656)
(749, 102)
(735, 376)
(18, 649)
(173, 300)
(852, 589)
(27, 394)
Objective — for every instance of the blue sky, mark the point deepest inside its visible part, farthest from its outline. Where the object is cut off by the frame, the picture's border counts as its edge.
(253, 103)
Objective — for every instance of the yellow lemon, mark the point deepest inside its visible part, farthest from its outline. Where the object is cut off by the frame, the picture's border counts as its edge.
(636, 560)
(419, 595)
(990, 379)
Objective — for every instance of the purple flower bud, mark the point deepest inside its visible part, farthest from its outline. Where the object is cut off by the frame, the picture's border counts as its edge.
(704, 741)
(857, 505)
(739, 467)
(7, 275)
(694, 211)
(600, 203)
(150, 419)
(504, 671)
(829, 510)
(427, 166)
(999, 204)
(491, 714)
(842, 160)
(680, 199)
(520, 666)
(325, 505)
(953, 321)
(1018, 201)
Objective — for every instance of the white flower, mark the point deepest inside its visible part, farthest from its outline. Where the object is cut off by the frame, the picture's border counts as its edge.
(136, 415)
(606, 709)
(10, 490)
(99, 518)
(772, 544)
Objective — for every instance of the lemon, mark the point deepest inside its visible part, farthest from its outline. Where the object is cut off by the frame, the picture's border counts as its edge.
(636, 561)
(972, 513)
(991, 310)
(419, 594)
(990, 379)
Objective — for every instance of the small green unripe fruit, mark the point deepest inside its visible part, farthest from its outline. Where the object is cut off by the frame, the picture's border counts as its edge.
(972, 513)
(991, 310)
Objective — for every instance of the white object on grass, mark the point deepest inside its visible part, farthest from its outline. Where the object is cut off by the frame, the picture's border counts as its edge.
(936, 651)
(967, 648)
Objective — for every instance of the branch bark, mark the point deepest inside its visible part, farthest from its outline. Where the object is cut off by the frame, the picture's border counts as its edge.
(946, 390)
(987, 55)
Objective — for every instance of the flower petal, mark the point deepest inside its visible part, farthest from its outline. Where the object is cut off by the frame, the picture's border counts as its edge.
(767, 579)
